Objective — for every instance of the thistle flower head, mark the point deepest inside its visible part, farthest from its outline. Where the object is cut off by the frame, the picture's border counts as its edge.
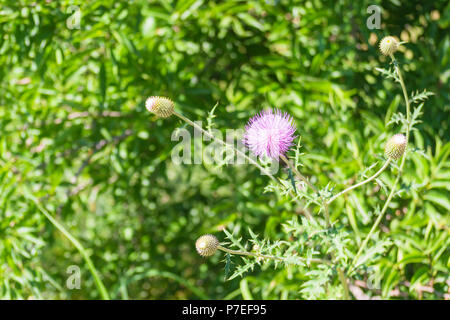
(269, 133)
(161, 106)
(388, 45)
(395, 146)
(207, 245)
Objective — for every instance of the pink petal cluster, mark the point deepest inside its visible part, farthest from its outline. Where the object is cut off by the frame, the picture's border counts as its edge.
(269, 133)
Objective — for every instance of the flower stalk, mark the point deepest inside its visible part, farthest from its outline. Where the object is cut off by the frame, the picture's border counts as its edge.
(258, 255)
(303, 178)
(342, 277)
(211, 136)
(298, 174)
(385, 165)
(400, 169)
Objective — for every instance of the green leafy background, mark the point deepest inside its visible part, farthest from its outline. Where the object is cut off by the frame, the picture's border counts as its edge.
(75, 133)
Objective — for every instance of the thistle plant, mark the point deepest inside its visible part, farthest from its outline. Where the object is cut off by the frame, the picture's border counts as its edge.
(271, 133)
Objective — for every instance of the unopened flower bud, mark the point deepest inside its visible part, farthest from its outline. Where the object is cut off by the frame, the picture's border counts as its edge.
(207, 245)
(396, 146)
(388, 45)
(161, 106)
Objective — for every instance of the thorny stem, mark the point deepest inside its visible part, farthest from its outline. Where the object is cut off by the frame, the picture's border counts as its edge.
(361, 183)
(342, 277)
(205, 132)
(400, 169)
(257, 255)
(98, 282)
(252, 161)
(341, 274)
(298, 174)
(344, 283)
(303, 178)
(326, 211)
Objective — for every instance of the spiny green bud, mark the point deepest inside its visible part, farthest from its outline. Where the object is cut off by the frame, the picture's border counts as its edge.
(388, 45)
(161, 106)
(395, 147)
(207, 245)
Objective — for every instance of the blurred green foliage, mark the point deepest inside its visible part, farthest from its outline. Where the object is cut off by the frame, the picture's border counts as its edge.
(75, 132)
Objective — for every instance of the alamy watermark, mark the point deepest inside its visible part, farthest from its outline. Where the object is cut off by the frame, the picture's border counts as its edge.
(374, 21)
(74, 21)
(74, 280)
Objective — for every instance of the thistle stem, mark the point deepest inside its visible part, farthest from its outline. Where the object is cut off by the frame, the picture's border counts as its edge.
(361, 183)
(303, 178)
(257, 255)
(399, 174)
(344, 283)
(98, 282)
(298, 174)
(209, 135)
(342, 277)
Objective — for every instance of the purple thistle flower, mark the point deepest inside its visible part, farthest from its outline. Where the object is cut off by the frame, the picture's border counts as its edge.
(269, 133)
